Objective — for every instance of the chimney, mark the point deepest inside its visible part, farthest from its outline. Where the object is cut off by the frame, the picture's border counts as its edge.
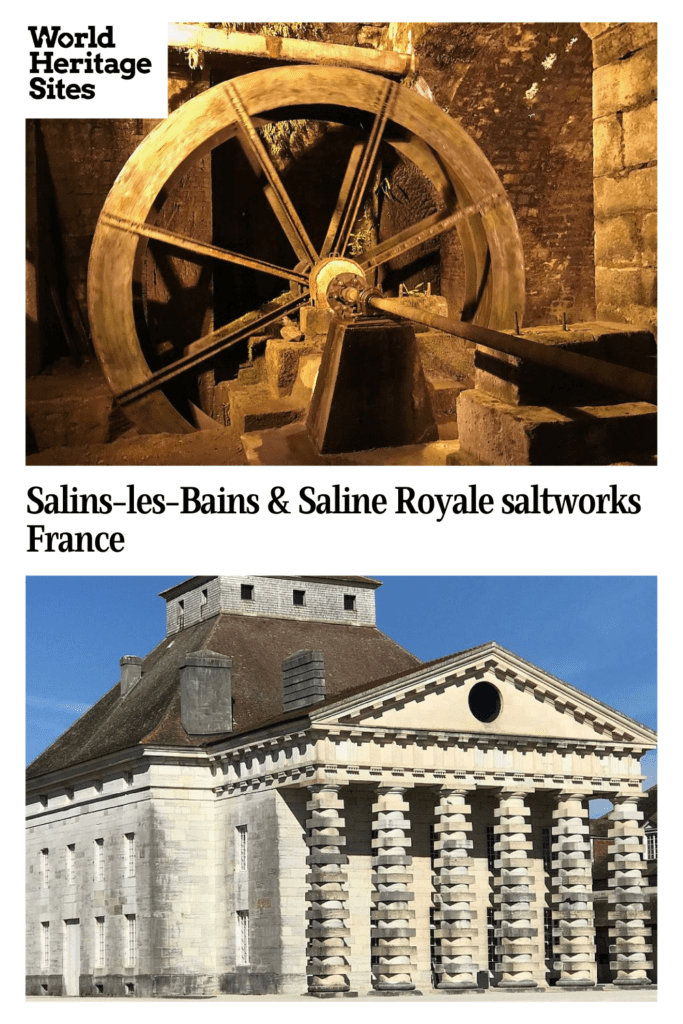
(131, 670)
(303, 679)
(206, 693)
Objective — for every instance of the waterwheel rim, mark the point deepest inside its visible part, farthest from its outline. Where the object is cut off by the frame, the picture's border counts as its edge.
(474, 200)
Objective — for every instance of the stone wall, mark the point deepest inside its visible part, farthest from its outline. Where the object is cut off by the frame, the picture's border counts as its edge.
(107, 811)
(625, 170)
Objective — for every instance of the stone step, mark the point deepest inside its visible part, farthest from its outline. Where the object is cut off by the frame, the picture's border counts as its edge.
(253, 407)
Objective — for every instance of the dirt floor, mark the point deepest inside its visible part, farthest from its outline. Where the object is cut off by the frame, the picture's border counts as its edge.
(220, 447)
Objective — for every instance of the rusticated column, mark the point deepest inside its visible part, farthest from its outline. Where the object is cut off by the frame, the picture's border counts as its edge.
(392, 913)
(456, 937)
(517, 953)
(572, 884)
(327, 933)
(627, 901)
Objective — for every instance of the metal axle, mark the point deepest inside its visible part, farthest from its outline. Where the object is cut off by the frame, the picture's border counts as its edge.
(351, 296)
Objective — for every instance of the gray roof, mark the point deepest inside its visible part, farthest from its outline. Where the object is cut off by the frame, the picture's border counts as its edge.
(355, 656)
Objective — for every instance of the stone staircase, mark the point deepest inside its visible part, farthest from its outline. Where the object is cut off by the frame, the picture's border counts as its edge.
(274, 388)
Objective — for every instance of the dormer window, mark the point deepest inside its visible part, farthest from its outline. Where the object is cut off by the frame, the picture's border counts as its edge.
(247, 592)
(181, 614)
(299, 598)
(349, 602)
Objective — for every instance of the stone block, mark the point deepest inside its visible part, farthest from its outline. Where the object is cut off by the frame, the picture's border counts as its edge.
(606, 90)
(504, 435)
(254, 408)
(521, 382)
(624, 84)
(282, 364)
(649, 234)
(644, 316)
(626, 286)
(632, 192)
(638, 77)
(596, 28)
(315, 321)
(617, 241)
(640, 135)
(620, 40)
(607, 154)
(444, 355)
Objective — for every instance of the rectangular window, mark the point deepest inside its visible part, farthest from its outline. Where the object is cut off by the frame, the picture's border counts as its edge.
(548, 933)
(434, 945)
(45, 867)
(547, 851)
(181, 614)
(132, 940)
(349, 603)
(242, 936)
(490, 847)
(99, 942)
(247, 592)
(99, 860)
(491, 937)
(203, 600)
(45, 945)
(299, 598)
(651, 846)
(242, 847)
(129, 854)
(71, 862)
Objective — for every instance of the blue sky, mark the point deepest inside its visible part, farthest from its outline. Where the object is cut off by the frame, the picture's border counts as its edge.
(596, 632)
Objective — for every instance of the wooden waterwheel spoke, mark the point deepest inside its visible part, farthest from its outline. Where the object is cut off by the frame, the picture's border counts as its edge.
(410, 238)
(198, 247)
(357, 177)
(206, 348)
(274, 190)
(430, 227)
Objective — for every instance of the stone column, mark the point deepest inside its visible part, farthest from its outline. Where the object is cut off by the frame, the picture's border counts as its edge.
(327, 932)
(392, 912)
(518, 950)
(626, 899)
(573, 917)
(456, 937)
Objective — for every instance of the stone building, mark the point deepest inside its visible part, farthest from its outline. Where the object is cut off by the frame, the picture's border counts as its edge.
(281, 799)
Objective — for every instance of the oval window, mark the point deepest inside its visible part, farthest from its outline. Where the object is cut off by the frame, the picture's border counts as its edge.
(484, 701)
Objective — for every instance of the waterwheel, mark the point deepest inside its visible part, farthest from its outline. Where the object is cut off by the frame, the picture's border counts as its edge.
(158, 385)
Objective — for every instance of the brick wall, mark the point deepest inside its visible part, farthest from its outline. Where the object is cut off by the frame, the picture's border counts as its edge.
(625, 169)
(523, 92)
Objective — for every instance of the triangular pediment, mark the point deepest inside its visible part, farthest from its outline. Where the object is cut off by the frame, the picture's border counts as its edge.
(488, 691)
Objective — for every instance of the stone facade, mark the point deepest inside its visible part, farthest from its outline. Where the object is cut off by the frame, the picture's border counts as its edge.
(428, 831)
(272, 596)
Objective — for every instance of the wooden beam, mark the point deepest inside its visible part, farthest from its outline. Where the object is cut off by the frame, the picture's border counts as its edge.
(299, 51)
